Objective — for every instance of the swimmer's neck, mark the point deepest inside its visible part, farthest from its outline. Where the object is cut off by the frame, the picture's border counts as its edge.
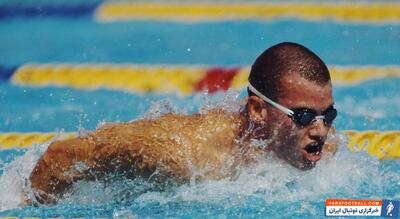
(248, 131)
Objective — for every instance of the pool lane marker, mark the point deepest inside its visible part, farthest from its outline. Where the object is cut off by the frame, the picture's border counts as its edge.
(381, 144)
(216, 79)
(42, 9)
(181, 79)
(106, 11)
(202, 11)
(136, 78)
(6, 72)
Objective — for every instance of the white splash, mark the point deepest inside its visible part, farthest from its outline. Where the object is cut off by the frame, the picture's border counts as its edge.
(14, 183)
(345, 175)
(159, 108)
(273, 180)
(229, 102)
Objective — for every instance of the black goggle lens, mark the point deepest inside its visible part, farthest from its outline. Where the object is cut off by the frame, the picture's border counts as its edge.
(305, 117)
(330, 115)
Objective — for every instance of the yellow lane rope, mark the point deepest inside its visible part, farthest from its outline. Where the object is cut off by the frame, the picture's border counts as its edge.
(135, 78)
(195, 12)
(158, 78)
(23, 140)
(384, 145)
(342, 75)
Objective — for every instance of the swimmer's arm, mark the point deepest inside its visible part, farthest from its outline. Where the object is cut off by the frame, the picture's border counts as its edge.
(113, 148)
(58, 168)
(65, 162)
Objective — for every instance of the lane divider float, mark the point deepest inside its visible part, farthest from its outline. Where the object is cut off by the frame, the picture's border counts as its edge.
(142, 79)
(193, 11)
(180, 79)
(27, 9)
(203, 11)
(382, 144)
(23, 140)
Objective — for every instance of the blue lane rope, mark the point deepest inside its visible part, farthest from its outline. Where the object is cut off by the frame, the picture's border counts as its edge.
(43, 10)
(6, 72)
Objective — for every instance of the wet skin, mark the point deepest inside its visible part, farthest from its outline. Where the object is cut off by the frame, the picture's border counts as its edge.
(177, 147)
(289, 140)
(186, 147)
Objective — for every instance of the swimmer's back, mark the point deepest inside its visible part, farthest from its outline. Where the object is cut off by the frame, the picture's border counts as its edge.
(176, 146)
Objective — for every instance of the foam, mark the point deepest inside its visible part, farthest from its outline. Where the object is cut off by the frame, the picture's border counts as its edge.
(345, 175)
(14, 182)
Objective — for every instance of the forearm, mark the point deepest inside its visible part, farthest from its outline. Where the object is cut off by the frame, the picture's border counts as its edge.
(63, 163)
(101, 152)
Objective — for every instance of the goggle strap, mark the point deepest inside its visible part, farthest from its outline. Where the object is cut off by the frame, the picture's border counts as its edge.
(266, 99)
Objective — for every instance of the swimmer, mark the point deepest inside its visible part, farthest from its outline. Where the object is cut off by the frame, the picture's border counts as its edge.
(289, 112)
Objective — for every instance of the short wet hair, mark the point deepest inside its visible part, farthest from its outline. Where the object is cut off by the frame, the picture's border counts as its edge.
(282, 59)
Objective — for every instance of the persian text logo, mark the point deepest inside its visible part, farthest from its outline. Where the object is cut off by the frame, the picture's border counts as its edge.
(342, 207)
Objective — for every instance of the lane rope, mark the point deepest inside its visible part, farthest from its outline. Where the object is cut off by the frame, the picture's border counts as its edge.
(29, 9)
(105, 11)
(165, 78)
(202, 11)
(382, 144)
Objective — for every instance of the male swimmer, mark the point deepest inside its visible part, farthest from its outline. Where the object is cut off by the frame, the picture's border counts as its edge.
(289, 108)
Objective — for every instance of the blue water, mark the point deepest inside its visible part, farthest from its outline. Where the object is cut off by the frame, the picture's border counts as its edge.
(272, 189)
(222, 43)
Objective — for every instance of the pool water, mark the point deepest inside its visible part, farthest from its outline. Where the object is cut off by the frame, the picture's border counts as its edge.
(271, 189)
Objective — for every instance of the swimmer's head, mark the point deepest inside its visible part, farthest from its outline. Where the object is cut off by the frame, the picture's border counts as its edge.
(299, 82)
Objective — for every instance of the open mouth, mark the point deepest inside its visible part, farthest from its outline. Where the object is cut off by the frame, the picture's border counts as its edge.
(313, 151)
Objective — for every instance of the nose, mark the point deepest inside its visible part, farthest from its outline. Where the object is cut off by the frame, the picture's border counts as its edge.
(318, 130)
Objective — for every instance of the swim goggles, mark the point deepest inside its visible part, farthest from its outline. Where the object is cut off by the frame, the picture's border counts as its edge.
(301, 116)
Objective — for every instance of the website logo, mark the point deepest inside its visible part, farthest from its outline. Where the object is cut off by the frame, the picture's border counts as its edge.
(390, 208)
(342, 207)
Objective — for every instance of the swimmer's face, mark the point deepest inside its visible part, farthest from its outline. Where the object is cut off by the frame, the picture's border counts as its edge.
(299, 146)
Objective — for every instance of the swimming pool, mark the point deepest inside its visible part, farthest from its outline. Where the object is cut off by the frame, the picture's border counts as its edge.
(272, 189)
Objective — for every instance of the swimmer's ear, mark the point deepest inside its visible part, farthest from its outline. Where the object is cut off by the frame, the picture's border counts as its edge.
(256, 109)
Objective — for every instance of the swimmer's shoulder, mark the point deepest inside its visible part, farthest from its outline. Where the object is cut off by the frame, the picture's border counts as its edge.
(214, 117)
(169, 122)
(224, 118)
